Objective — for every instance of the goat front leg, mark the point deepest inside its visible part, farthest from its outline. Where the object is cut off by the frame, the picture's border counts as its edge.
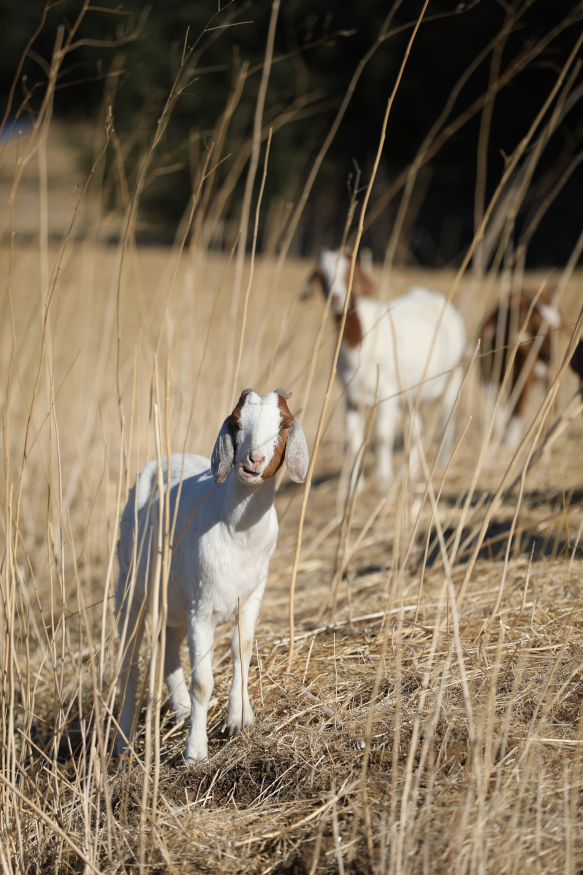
(200, 644)
(239, 710)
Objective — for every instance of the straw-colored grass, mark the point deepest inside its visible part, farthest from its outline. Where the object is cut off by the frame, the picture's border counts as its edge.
(487, 780)
(428, 717)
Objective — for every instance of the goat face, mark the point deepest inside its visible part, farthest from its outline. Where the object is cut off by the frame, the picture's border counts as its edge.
(333, 275)
(255, 439)
(334, 272)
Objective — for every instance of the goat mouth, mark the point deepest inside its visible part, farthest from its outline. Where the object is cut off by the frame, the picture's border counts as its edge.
(248, 474)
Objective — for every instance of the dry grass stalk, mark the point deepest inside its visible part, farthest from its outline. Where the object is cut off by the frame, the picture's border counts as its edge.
(250, 181)
(251, 269)
(341, 332)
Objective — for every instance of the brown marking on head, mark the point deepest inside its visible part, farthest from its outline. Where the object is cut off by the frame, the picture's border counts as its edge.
(279, 450)
(236, 414)
(362, 284)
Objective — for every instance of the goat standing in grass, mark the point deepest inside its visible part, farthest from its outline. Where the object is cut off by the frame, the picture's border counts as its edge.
(523, 331)
(223, 555)
(398, 337)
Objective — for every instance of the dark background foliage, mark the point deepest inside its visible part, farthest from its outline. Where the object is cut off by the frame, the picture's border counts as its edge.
(343, 33)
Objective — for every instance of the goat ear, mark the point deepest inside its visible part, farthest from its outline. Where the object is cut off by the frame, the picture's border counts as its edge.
(316, 277)
(296, 452)
(223, 455)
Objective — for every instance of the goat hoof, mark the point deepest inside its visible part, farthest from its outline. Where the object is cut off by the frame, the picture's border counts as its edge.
(234, 722)
(195, 760)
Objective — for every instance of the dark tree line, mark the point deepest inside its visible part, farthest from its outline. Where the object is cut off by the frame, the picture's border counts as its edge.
(325, 41)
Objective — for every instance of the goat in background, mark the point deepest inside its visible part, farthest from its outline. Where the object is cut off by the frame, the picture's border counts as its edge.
(525, 322)
(398, 336)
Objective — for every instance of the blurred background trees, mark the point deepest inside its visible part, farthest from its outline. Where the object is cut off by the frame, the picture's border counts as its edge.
(129, 57)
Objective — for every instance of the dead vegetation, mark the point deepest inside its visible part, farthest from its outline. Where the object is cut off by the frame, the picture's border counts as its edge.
(395, 747)
(429, 719)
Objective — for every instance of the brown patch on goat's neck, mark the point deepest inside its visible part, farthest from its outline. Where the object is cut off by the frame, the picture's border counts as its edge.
(280, 444)
(362, 287)
(352, 328)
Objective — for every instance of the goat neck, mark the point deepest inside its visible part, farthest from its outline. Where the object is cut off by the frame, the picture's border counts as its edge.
(352, 327)
(247, 505)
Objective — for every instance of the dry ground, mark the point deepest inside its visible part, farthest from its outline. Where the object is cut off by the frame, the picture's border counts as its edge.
(439, 741)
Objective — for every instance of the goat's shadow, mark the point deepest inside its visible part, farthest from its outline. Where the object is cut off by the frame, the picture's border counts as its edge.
(541, 539)
(289, 485)
(75, 737)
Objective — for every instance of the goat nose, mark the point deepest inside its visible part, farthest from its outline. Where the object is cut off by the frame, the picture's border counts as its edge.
(257, 457)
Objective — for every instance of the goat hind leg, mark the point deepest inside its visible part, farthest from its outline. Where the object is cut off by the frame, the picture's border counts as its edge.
(130, 672)
(179, 698)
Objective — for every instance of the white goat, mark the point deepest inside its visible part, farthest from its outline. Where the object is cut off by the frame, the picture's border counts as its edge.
(223, 555)
(398, 336)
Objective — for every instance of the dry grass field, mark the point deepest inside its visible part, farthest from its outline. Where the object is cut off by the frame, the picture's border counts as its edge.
(426, 715)
(439, 740)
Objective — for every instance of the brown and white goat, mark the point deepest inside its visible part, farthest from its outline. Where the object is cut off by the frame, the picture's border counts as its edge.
(396, 339)
(228, 527)
(526, 327)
